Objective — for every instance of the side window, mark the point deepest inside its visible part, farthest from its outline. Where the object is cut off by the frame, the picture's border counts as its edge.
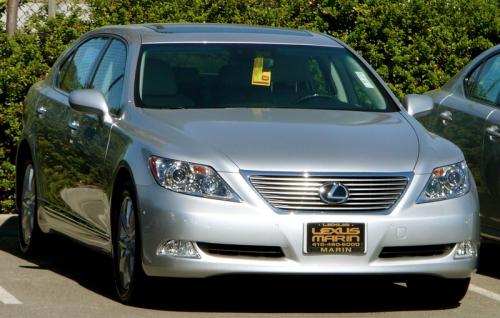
(484, 82)
(471, 81)
(110, 74)
(75, 71)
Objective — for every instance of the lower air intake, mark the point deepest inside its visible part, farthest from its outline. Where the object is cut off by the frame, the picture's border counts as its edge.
(416, 251)
(241, 250)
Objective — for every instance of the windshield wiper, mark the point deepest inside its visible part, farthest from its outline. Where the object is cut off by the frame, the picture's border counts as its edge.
(175, 107)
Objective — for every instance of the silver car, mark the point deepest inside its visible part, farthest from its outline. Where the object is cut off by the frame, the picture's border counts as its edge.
(203, 150)
(467, 112)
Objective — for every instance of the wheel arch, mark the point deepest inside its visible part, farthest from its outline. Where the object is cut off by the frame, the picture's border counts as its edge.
(122, 175)
(23, 152)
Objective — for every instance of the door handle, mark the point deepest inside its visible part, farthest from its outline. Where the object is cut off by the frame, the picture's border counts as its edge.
(74, 125)
(41, 110)
(446, 116)
(493, 132)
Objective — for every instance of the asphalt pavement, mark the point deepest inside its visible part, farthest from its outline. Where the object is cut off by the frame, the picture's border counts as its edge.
(71, 281)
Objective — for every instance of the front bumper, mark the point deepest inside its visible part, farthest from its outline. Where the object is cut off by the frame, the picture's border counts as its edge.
(168, 215)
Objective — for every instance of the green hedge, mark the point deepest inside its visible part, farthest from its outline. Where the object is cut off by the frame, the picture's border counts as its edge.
(24, 59)
(415, 45)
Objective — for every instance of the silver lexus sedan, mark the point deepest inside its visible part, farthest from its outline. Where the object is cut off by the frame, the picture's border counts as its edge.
(185, 150)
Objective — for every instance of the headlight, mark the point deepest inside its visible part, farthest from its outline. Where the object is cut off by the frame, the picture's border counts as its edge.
(190, 178)
(446, 183)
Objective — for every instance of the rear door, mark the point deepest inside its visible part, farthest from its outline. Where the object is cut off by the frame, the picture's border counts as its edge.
(490, 202)
(483, 87)
(61, 165)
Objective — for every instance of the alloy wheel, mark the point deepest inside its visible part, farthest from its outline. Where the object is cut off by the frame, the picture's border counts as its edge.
(28, 204)
(126, 243)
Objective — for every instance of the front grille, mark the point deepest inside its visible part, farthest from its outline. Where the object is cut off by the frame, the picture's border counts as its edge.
(241, 250)
(366, 193)
(416, 251)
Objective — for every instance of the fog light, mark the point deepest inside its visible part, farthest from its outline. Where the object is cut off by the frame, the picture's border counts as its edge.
(177, 248)
(466, 249)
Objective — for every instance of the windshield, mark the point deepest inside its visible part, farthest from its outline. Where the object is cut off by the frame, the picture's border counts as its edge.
(256, 76)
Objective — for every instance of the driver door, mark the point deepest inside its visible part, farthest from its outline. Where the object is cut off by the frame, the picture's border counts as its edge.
(88, 196)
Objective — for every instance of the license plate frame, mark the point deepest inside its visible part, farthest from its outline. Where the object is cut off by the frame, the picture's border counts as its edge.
(335, 238)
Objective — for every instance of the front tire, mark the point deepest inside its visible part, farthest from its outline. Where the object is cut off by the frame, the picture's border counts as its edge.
(441, 291)
(127, 265)
(29, 233)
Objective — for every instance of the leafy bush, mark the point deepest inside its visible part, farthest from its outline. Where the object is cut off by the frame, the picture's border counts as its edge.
(284, 13)
(23, 60)
(21, 64)
(415, 45)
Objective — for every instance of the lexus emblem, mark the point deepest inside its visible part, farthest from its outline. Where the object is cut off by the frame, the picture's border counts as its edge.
(334, 193)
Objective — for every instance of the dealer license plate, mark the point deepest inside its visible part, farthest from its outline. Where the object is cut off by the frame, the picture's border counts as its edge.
(335, 238)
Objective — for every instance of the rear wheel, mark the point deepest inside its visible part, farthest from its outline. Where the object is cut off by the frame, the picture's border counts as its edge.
(444, 291)
(127, 263)
(30, 235)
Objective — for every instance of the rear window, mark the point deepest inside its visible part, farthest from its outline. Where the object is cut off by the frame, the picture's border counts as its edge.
(256, 76)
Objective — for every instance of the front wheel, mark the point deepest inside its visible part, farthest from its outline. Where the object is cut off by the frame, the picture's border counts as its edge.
(127, 263)
(30, 235)
(444, 291)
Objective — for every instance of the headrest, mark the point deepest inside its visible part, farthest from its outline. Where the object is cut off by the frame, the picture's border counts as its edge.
(290, 69)
(158, 78)
(186, 74)
(236, 75)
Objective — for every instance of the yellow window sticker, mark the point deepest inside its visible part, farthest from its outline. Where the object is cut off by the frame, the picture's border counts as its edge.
(259, 76)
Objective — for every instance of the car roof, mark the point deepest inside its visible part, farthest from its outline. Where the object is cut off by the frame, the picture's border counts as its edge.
(221, 33)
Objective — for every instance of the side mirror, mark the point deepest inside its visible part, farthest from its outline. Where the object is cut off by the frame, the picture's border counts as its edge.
(418, 105)
(89, 101)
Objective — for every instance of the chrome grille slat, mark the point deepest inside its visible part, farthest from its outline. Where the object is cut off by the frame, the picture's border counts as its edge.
(320, 203)
(316, 198)
(376, 189)
(328, 208)
(394, 198)
(373, 184)
(373, 193)
(318, 184)
(293, 198)
(296, 193)
(255, 179)
(351, 190)
(291, 193)
(291, 184)
(288, 188)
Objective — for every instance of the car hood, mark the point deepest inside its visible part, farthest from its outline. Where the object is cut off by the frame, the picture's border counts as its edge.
(294, 139)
